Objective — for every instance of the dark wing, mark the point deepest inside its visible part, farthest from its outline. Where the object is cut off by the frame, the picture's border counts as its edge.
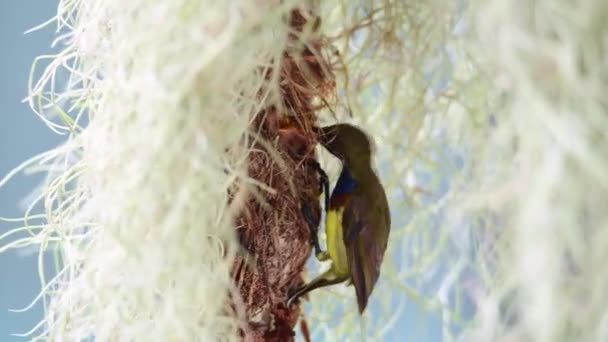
(365, 237)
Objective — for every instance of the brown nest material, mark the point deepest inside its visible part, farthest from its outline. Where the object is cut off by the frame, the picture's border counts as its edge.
(271, 227)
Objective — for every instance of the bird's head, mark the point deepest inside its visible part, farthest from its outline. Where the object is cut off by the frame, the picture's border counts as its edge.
(348, 143)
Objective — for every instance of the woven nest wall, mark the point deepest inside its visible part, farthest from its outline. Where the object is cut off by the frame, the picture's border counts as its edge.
(272, 228)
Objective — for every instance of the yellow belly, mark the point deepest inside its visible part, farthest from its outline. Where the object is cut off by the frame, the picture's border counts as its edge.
(335, 241)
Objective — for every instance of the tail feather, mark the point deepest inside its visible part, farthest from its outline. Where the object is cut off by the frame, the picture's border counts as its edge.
(359, 281)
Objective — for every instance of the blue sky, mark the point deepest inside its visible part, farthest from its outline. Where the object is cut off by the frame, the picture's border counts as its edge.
(22, 135)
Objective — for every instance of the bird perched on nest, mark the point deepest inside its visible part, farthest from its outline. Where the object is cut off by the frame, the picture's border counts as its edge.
(358, 217)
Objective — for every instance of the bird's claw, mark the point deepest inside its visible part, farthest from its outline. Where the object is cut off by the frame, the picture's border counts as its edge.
(322, 255)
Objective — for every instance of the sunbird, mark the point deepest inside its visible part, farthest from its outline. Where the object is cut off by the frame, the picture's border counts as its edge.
(357, 219)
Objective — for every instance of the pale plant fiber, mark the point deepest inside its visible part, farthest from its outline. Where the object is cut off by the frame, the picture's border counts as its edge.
(489, 120)
(141, 217)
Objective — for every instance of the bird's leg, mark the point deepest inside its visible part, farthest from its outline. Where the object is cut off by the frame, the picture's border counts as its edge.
(323, 180)
(314, 236)
(307, 212)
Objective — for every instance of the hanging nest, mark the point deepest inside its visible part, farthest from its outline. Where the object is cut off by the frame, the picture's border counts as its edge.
(271, 228)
